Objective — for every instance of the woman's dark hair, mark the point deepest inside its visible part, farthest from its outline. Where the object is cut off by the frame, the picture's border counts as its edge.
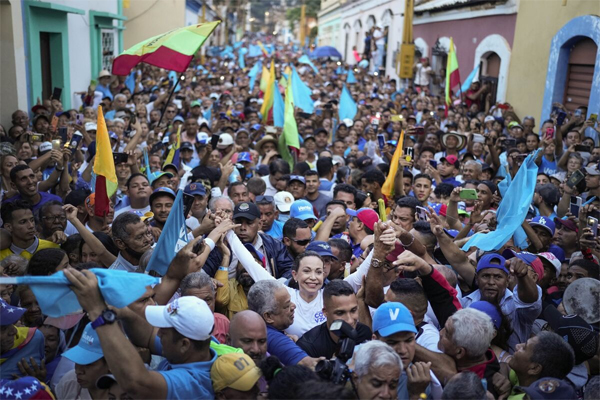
(504, 332)
(300, 257)
(72, 244)
(342, 173)
(106, 240)
(285, 382)
(45, 261)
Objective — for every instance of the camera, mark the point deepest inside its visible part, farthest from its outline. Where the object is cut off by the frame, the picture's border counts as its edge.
(336, 371)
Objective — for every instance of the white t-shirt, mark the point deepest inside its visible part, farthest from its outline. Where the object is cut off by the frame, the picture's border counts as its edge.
(68, 388)
(422, 75)
(306, 315)
(129, 208)
(271, 191)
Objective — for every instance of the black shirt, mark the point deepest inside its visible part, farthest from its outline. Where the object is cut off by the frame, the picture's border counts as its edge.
(317, 342)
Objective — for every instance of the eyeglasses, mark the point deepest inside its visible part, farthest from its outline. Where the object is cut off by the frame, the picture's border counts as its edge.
(59, 218)
(264, 199)
(303, 242)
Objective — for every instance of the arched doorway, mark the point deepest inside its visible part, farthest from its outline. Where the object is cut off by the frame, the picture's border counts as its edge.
(580, 74)
(492, 56)
(489, 71)
(439, 59)
(357, 38)
(421, 48)
(386, 22)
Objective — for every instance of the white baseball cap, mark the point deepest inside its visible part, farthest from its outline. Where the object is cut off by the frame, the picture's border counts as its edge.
(44, 147)
(189, 315)
(225, 139)
(551, 258)
(283, 201)
(91, 126)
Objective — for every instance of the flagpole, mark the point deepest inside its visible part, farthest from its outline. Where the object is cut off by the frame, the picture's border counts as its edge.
(162, 114)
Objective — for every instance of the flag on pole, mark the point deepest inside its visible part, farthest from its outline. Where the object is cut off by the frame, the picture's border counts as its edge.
(388, 186)
(173, 156)
(301, 93)
(104, 168)
(172, 50)
(264, 79)
(289, 138)
(130, 81)
(252, 74)
(147, 165)
(306, 60)
(347, 108)
(350, 78)
(278, 107)
(269, 94)
(467, 83)
(262, 48)
(241, 60)
(452, 75)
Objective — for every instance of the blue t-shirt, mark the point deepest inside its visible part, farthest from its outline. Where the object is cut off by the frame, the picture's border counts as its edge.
(35, 349)
(548, 167)
(284, 348)
(276, 231)
(45, 197)
(187, 381)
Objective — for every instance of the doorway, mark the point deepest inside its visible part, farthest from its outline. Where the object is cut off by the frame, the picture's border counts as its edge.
(46, 65)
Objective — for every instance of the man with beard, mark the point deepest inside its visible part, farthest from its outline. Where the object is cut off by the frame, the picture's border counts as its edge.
(53, 221)
(522, 305)
(248, 332)
(133, 238)
(138, 191)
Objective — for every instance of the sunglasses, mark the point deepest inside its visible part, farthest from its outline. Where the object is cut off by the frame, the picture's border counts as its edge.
(264, 199)
(301, 242)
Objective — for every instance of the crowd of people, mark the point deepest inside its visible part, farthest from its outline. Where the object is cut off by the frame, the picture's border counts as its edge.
(336, 276)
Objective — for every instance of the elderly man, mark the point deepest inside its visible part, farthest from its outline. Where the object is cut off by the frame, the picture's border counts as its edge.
(271, 300)
(248, 332)
(133, 238)
(377, 370)
(471, 171)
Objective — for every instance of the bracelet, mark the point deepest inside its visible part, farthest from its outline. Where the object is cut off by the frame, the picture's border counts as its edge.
(210, 243)
(221, 268)
(408, 245)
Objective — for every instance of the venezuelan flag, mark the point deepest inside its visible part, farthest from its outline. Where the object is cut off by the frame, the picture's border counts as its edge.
(104, 168)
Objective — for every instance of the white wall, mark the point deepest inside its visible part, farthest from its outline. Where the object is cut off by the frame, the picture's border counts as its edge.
(191, 18)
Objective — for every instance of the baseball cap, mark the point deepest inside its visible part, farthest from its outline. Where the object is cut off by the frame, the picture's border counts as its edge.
(365, 215)
(567, 223)
(236, 371)
(489, 118)
(25, 388)
(283, 201)
(188, 315)
(391, 318)
(90, 202)
(552, 260)
(187, 146)
(88, 350)
(162, 191)
(91, 126)
(544, 222)
(548, 389)
(256, 127)
(492, 260)
(573, 329)
(298, 178)
(246, 210)
(195, 103)
(451, 159)
(113, 135)
(225, 139)
(195, 189)
(44, 147)
(549, 193)
(489, 309)
(106, 381)
(514, 124)
(155, 175)
(529, 258)
(244, 157)
(321, 248)
(178, 118)
(593, 169)
(302, 209)
(10, 314)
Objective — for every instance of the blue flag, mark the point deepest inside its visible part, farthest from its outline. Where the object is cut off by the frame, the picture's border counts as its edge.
(305, 60)
(512, 210)
(254, 51)
(172, 239)
(130, 81)
(350, 78)
(56, 299)
(301, 93)
(237, 45)
(147, 162)
(241, 61)
(467, 83)
(207, 115)
(347, 108)
(278, 107)
(252, 74)
(173, 77)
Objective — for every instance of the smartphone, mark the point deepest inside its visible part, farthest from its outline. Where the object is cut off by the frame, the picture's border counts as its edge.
(510, 142)
(381, 141)
(433, 163)
(409, 153)
(560, 118)
(120, 158)
(593, 224)
(575, 205)
(575, 178)
(582, 148)
(549, 133)
(54, 123)
(75, 140)
(62, 132)
(271, 129)
(36, 138)
(468, 194)
(188, 201)
(594, 117)
(477, 138)
(421, 213)
(79, 119)
(55, 144)
(417, 130)
(56, 93)
(214, 140)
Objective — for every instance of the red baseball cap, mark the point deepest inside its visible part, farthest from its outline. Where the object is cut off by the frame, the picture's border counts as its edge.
(451, 159)
(365, 215)
(567, 223)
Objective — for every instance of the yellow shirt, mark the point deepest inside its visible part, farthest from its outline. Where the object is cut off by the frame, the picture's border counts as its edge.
(43, 244)
(230, 298)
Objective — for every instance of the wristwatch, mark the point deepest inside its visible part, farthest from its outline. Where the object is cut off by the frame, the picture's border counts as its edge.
(107, 317)
(375, 263)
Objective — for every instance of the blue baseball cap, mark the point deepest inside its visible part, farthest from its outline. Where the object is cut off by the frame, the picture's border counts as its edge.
(88, 350)
(451, 232)
(10, 314)
(162, 191)
(244, 157)
(256, 127)
(298, 178)
(492, 260)
(321, 248)
(155, 175)
(302, 209)
(113, 135)
(391, 318)
(544, 222)
(178, 118)
(195, 189)
(548, 389)
(489, 309)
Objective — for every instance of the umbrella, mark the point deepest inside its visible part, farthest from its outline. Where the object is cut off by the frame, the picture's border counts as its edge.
(325, 51)
(172, 50)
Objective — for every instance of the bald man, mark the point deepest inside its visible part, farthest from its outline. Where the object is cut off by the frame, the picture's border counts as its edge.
(248, 331)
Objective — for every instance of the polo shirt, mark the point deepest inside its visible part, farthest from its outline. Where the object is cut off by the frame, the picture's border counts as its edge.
(187, 381)
(284, 348)
(28, 253)
(276, 231)
(317, 342)
(123, 265)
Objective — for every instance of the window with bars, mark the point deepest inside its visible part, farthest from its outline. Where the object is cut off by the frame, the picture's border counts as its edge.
(108, 48)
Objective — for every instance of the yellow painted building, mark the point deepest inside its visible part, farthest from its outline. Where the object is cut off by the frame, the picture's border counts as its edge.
(555, 57)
